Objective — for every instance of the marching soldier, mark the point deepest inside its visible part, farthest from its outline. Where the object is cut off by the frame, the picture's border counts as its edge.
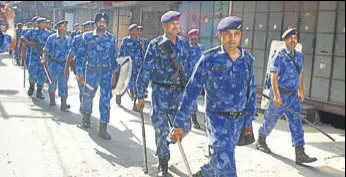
(30, 25)
(130, 46)
(36, 39)
(7, 36)
(286, 89)
(164, 58)
(98, 51)
(196, 51)
(75, 30)
(71, 62)
(226, 72)
(57, 46)
(144, 40)
(19, 31)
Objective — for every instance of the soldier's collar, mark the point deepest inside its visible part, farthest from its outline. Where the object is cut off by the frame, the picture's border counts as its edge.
(222, 51)
(165, 37)
(94, 33)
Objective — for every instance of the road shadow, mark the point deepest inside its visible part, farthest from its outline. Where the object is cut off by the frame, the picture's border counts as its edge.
(332, 147)
(310, 171)
(9, 92)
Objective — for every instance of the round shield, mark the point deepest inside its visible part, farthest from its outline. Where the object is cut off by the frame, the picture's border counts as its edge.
(124, 75)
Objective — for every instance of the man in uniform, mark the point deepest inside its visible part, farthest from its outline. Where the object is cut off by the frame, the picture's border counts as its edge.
(130, 46)
(226, 72)
(35, 38)
(286, 89)
(7, 36)
(97, 53)
(71, 60)
(57, 46)
(144, 40)
(75, 30)
(30, 25)
(164, 58)
(16, 49)
(196, 51)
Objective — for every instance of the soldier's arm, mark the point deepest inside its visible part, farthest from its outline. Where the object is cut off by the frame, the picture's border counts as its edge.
(192, 91)
(275, 69)
(113, 55)
(301, 85)
(252, 100)
(122, 50)
(47, 48)
(80, 57)
(146, 71)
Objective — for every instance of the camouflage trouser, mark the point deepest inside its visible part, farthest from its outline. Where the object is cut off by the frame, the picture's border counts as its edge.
(273, 113)
(36, 72)
(223, 133)
(165, 103)
(56, 74)
(94, 79)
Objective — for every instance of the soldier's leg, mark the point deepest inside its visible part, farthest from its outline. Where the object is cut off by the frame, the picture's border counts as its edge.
(33, 68)
(297, 132)
(223, 133)
(194, 115)
(271, 116)
(40, 81)
(52, 70)
(106, 95)
(62, 84)
(92, 78)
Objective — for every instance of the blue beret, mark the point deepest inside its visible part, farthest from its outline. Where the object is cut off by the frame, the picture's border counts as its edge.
(29, 23)
(99, 15)
(41, 19)
(88, 23)
(133, 26)
(289, 32)
(60, 22)
(169, 16)
(48, 21)
(232, 22)
(140, 27)
(76, 24)
(19, 24)
(193, 31)
(34, 18)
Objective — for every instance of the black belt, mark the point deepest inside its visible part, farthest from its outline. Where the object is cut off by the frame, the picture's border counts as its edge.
(287, 92)
(58, 61)
(233, 115)
(168, 85)
(98, 68)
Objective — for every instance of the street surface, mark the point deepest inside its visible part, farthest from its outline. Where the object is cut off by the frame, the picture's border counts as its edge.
(39, 141)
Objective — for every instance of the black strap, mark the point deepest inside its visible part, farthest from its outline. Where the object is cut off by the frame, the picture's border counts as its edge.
(294, 62)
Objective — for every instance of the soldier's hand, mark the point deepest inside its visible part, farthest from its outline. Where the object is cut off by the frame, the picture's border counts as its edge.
(140, 104)
(42, 62)
(177, 133)
(67, 72)
(114, 80)
(301, 97)
(277, 101)
(80, 78)
(9, 14)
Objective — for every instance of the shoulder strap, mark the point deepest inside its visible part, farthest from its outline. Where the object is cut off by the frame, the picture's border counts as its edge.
(294, 62)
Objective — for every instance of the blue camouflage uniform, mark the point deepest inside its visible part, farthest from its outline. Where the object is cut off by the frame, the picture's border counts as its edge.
(28, 48)
(230, 89)
(130, 47)
(99, 54)
(75, 32)
(5, 41)
(157, 67)
(288, 81)
(36, 72)
(16, 49)
(58, 48)
(195, 54)
(77, 40)
(145, 43)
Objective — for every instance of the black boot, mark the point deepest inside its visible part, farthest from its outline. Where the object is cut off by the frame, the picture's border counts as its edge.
(262, 145)
(301, 157)
(118, 99)
(52, 99)
(86, 120)
(195, 122)
(39, 94)
(162, 170)
(198, 174)
(102, 132)
(64, 106)
(31, 89)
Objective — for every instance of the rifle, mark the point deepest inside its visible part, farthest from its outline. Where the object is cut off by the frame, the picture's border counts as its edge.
(305, 120)
(166, 46)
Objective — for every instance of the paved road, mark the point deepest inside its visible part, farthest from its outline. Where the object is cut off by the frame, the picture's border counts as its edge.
(39, 141)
